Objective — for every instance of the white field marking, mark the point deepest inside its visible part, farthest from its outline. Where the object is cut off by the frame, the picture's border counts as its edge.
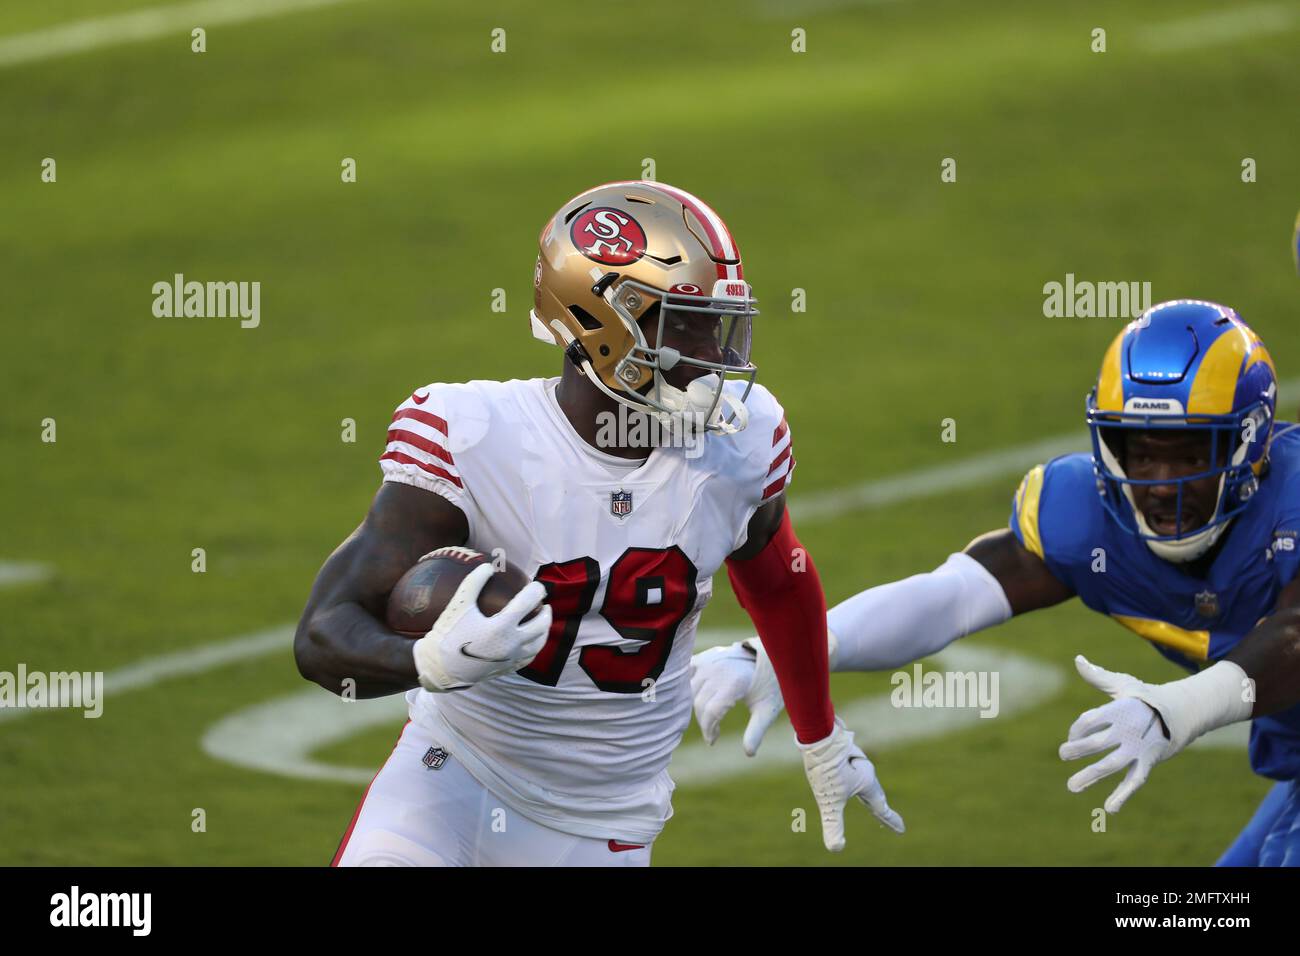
(195, 660)
(81, 36)
(1232, 737)
(1233, 23)
(206, 657)
(965, 473)
(1023, 683)
(280, 735)
(16, 573)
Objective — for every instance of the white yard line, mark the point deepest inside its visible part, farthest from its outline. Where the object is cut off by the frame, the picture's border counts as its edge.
(1234, 23)
(151, 23)
(279, 736)
(17, 573)
(207, 657)
(186, 663)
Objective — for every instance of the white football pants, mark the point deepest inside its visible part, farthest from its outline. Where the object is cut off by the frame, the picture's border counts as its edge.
(424, 809)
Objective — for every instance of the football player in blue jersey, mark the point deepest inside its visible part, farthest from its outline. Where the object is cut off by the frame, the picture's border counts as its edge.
(1181, 525)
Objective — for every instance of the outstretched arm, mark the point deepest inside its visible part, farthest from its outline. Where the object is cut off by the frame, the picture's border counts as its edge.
(884, 627)
(1148, 723)
(893, 624)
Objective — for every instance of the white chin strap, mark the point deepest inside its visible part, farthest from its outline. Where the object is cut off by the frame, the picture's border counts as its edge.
(1184, 549)
(695, 405)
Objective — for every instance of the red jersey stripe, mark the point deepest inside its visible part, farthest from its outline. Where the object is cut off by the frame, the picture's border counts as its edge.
(420, 442)
(397, 456)
(776, 436)
(775, 486)
(776, 463)
(430, 419)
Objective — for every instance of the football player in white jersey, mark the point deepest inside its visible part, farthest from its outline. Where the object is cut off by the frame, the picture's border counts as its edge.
(621, 486)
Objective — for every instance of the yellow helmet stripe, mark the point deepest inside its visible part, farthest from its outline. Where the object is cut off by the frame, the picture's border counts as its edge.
(1215, 384)
(1110, 384)
(1258, 353)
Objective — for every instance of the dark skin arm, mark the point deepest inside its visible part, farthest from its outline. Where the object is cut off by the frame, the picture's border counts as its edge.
(341, 634)
(1024, 576)
(1270, 655)
(762, 526)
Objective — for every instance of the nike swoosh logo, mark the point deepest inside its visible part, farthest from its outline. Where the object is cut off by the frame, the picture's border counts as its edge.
(415, 397)
(486, 660)
(616, 847)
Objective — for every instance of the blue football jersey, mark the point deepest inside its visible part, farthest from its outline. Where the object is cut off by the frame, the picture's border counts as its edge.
(1058, 514)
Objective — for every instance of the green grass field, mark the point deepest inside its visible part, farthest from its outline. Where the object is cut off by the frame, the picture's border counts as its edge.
(925, 302)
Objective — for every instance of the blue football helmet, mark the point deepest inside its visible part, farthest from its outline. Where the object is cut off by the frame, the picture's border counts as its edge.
(1189, 365)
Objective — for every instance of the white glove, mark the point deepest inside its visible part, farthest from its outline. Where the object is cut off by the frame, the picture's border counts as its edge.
(1129, 725)
(1217, 696)
(837, 769)
(466, 646)
(721, 676)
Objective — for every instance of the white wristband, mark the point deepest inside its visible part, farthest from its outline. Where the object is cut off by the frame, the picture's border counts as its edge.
(1221, 694)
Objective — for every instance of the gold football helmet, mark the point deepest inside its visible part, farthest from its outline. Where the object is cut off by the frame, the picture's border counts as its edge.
(613, 254)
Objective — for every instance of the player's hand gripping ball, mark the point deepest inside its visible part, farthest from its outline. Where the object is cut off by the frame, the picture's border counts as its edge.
(476, 622)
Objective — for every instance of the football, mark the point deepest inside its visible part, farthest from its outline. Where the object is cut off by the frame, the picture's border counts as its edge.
(425, 590)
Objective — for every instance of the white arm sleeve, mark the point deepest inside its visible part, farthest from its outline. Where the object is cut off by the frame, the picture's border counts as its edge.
(900, 622)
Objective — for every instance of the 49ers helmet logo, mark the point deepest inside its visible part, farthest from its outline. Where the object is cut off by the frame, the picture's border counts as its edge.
(608, 236)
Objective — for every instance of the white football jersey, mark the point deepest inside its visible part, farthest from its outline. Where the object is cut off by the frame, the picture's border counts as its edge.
(581, 738)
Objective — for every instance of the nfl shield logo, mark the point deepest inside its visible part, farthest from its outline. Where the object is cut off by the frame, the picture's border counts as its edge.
(417, 599)
(435, 758)
(620, 503)
(1207, 604)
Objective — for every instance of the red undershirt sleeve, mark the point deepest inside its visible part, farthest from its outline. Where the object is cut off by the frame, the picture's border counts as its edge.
(780, 590)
